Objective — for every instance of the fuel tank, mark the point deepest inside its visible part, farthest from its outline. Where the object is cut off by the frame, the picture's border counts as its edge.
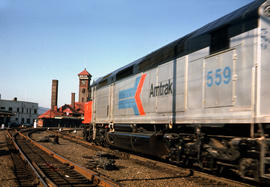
(147, 143)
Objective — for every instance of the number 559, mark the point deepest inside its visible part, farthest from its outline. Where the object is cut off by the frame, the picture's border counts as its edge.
(218, 76)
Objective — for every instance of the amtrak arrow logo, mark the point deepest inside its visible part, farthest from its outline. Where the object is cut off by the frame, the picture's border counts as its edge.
(130, 98)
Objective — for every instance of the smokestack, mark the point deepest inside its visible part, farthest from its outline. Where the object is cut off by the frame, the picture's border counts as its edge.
(73, 100)
(54, 94)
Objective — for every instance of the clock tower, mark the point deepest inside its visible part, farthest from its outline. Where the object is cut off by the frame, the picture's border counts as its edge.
(84, 86)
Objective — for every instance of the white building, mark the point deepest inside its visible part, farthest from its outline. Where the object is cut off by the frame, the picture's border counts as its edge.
(23, 112)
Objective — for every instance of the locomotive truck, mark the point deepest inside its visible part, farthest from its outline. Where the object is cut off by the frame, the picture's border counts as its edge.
(203, 99)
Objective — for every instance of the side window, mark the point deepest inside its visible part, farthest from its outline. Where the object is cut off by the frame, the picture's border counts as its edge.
(219, 40)
(124, 73)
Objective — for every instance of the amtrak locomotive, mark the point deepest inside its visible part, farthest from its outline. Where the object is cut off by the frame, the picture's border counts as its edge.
(203, 99)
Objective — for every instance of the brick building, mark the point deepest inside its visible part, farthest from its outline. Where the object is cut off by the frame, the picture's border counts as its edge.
(65, 116)
(68, 115)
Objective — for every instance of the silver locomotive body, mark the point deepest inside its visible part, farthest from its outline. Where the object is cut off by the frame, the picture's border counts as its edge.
(197, 98)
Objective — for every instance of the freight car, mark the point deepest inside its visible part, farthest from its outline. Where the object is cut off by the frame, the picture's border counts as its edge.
(203, 99)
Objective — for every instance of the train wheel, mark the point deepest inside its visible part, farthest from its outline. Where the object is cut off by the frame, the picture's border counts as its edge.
(249, 168)
(208, 162)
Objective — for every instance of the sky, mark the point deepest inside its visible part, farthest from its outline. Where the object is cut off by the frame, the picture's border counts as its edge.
(42, 40)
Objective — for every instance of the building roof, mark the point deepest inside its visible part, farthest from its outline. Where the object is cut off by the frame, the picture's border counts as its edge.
(17, 101)
(65, 110)
(79, 108)
(84, 72)
(49, 114)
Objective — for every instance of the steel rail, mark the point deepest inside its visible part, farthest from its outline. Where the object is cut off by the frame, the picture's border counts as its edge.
(73, 138)
(24, 157)
(91, 175)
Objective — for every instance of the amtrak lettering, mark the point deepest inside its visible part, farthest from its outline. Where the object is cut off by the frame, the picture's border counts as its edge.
(161, 89)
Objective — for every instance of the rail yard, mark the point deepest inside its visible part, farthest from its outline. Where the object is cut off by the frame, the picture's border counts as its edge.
(41, 157)
(193, 113)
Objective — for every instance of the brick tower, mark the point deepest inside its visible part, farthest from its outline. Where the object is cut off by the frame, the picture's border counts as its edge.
(54, 95)
(84, 86)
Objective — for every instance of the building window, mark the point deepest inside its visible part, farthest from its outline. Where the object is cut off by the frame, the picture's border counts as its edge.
(82, 99)
(22, 110)
(220, 40)
(16, 119)
(30, 111)
(83, 90)
(18, 109)
(10, 109)
(22, 120)
(28, 121)
(35, 111)
(3, 108)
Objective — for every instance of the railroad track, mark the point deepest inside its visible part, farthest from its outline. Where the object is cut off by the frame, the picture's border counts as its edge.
(200, 177)
(22, 171)
(52, 169)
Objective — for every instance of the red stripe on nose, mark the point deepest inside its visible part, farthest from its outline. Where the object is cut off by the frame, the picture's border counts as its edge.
(138, 93)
